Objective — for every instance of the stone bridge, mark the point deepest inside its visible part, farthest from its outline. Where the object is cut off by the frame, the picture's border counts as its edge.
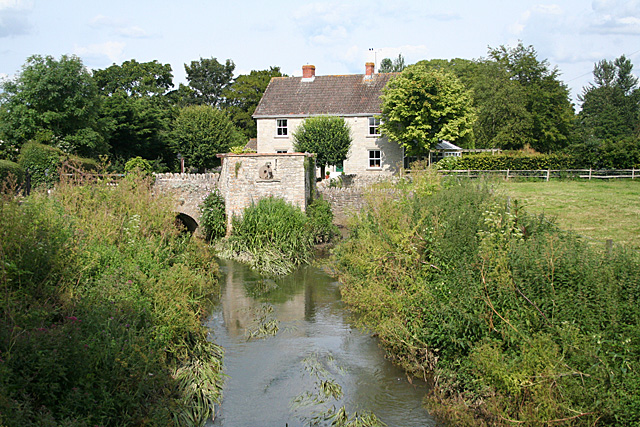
(188, 190)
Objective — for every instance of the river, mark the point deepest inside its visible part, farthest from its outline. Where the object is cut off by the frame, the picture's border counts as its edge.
(283, 338)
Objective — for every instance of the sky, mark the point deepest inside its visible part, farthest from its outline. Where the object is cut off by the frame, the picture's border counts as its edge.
(338, 37)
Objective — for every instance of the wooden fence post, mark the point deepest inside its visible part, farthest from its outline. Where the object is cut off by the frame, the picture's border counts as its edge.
(548, 173)
(507, 174)
(589, 174)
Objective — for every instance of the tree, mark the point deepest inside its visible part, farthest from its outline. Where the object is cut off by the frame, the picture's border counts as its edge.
(421, 107)
(209, 78)
(200, 132)
(329, 137)
(243, 96)
(546, 98)
(135, 79)
(135, 111)
(611, 106)
(395, 66)
(53, 102)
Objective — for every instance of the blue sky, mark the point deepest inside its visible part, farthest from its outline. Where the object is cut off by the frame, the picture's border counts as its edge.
(335, 36)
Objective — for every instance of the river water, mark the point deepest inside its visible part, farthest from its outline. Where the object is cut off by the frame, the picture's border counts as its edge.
(283, 337)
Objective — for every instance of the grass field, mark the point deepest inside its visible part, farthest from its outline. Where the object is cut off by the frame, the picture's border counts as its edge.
(598, 210)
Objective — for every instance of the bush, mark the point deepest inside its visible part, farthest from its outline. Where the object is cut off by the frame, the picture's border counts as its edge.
(321, 221)
(515, 161)
(102, 312)
(213, 217)
(272, 235)
(512, 318)
(138, 166)
(42, 162)
(8, 168)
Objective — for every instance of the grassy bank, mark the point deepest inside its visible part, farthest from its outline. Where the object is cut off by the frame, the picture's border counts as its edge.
(101, 303)
(599, 210)
(514, 321)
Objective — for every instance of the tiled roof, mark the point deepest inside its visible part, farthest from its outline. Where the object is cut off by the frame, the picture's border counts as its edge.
(332, 95)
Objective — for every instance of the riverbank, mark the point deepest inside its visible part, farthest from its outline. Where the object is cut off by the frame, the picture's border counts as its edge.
(514, 320)
(102, 299)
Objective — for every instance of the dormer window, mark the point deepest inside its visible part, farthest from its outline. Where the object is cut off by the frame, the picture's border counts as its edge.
(281, 127)
(374, 124)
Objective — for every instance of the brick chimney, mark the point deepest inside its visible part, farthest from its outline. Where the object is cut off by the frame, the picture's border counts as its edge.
(308, 71)
(370, 67)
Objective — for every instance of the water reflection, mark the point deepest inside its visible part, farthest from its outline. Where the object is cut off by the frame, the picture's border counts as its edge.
(266, 374)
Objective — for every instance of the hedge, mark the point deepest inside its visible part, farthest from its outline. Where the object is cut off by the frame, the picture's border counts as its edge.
(514, 162)
(7, 168)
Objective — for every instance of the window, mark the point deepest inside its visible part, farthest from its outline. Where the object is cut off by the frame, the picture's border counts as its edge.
(281, 151)
(375, 159)
(374, 122)
(281, 127)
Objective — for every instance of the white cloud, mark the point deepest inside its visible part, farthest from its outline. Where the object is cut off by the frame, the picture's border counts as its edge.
(110, 50)
(615, 17)
(14, 17)
(118, 27)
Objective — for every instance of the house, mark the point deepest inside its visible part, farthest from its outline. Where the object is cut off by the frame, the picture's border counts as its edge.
(288, 101)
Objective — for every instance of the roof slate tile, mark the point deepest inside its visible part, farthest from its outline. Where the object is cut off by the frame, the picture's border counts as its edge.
(332, 95)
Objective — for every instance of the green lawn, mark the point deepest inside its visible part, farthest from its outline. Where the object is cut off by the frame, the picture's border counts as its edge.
(598, 210)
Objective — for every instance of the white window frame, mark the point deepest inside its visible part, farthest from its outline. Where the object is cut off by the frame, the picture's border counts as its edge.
(373, 127)
(282, 130)
(373, 159)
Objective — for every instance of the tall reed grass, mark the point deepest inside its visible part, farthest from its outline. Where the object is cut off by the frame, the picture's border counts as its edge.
(101, 303)
(512, 320)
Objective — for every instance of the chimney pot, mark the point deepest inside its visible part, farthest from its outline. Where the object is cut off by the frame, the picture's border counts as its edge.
(308, 71)
(369, 66)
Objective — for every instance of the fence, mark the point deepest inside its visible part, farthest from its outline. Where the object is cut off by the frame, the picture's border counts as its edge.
(547, 174)
(69, 173)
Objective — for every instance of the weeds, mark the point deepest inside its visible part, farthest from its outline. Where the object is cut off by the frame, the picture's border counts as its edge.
(101, 302)
(513, 320)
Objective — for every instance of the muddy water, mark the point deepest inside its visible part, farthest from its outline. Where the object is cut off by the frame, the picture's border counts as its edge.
(283, 337)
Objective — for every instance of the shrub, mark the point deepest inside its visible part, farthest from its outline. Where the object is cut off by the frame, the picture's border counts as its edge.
(138, 166)
(273, 234)
(511, 317)
(11, 168)
(42, 162)
(516, 161)
(320, 219)
(213, 217)
(102, 312)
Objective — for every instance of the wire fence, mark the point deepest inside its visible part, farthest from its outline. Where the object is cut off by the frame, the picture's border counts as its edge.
(547, 174)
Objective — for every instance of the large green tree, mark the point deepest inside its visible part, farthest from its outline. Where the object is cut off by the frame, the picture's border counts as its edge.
(329, 137)
(243, 96)
(392, 66)
(200, 132)
(546, 98)
(611, 105)
(209, 78)
(421, 107)
(55, 102)
(135, 109)
(503, 120)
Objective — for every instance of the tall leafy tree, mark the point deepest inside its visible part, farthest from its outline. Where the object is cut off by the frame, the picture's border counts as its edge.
(421, 107)
(135, 79)
(546, 98)
(392, 66)
(136, 113)
(209, 78)
(329, 137)
(55, 102)
(503, 120)
(243, 96)
(611, 105)
(200, 132)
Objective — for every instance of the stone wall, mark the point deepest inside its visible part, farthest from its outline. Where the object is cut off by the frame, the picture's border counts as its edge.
(241, 184)
(188, 190)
